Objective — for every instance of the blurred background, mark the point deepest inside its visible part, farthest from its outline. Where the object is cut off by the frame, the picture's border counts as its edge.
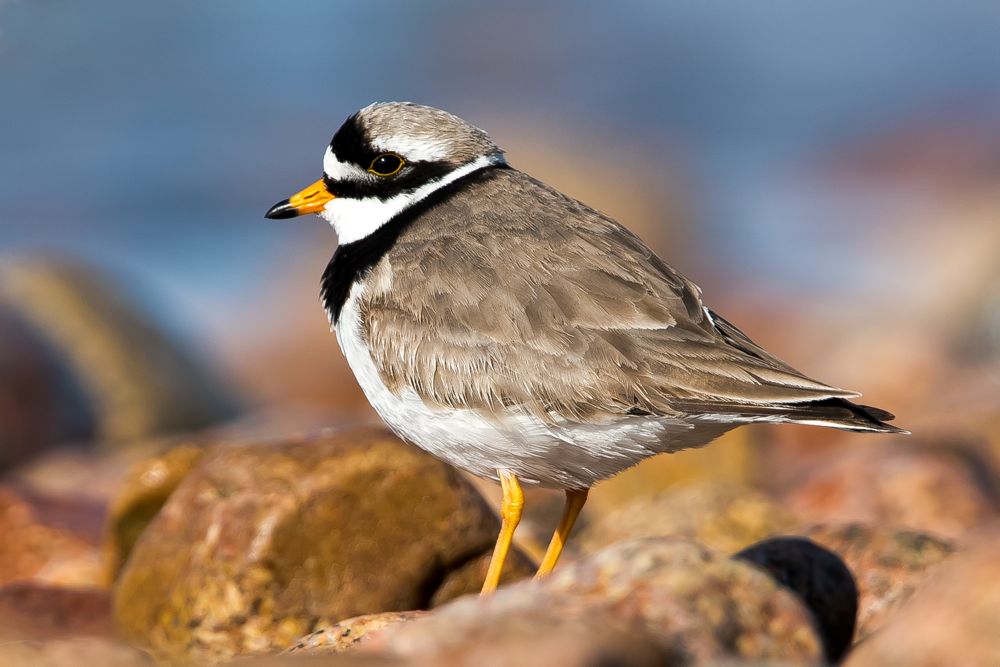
(838, 164)
(829, 174)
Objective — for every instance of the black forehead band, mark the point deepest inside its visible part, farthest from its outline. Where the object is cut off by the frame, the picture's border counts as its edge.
(352, 144)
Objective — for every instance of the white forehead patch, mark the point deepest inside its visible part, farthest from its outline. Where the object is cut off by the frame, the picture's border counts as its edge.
(341, 171)
(413, 149)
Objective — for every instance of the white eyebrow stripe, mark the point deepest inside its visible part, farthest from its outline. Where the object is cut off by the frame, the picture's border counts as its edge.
(415, 150)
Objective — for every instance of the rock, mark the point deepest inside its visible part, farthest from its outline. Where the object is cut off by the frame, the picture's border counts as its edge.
(942, 491)
(888, 565)
(33, 611)
(71, 653)
(820, 578)
(534, 636)
(35, 548)
(78, 515)
(345, 660)
(143, 493)
(323, 660)
(262, 543)
(40, 402)
(84, 476)
(136, 378)
(951, 620)
(349, 632)
(732, 609)
(693, 604)
(726, 517)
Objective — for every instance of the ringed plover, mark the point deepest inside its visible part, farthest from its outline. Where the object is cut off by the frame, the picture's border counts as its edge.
(519, 334)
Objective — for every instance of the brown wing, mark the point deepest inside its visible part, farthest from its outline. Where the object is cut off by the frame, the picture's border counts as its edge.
(558, 310)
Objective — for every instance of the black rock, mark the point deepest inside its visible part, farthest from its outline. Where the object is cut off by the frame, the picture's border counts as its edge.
(820, 578)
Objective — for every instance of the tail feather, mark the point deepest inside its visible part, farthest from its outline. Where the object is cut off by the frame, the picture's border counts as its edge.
(830, 412)
(843, 414)
(834, 411)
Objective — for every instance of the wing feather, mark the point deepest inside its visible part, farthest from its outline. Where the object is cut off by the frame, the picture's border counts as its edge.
(557, 311)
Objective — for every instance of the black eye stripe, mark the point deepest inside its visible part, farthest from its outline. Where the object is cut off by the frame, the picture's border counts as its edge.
(412, 176)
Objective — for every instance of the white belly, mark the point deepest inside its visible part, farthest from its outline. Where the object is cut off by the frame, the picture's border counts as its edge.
(567, 455)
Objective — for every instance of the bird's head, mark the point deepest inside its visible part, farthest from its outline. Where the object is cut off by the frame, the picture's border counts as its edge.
(383, 159)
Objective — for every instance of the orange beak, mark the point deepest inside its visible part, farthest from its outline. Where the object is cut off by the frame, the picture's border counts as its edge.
(310, 200)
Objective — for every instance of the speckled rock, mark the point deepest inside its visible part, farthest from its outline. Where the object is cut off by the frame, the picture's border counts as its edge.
(952, 619)
(261, 544)
(694, 604)
(726, 517)
(888, 565)
(143, 493)
(349, 632)
(323, 660)
(34, 611)
(71, 653)
(939, 491)
(34, 549)
(535, 636)
(820, 578)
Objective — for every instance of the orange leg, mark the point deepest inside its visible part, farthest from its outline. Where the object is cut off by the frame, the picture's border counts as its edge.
(510, 516)
(575, 499)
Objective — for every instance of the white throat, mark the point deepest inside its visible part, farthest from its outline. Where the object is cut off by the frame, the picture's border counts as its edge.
(354, 219)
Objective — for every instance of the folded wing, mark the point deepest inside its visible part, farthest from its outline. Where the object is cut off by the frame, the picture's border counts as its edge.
(569, 317)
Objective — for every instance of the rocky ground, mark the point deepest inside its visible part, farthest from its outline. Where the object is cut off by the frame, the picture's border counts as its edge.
(270, 541)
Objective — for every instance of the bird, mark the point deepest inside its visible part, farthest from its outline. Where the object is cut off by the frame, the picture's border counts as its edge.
(519, 334)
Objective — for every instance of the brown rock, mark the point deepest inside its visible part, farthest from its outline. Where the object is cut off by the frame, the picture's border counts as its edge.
(469, 576)
(951, 620)
(942, 491)
(84, 477)
(31, 548)
(694, 605)
(518, 635)
(321, 660)
(260, 544)
(77, 515)
(143, 493)
(888, 565)
(33, 611)
(726, 517)
(350, 632)
(71, 653)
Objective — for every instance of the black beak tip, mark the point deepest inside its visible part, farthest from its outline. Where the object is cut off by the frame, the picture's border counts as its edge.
(281, 211)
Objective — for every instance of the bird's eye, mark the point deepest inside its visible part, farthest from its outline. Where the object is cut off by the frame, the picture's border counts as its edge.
(386, 164)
